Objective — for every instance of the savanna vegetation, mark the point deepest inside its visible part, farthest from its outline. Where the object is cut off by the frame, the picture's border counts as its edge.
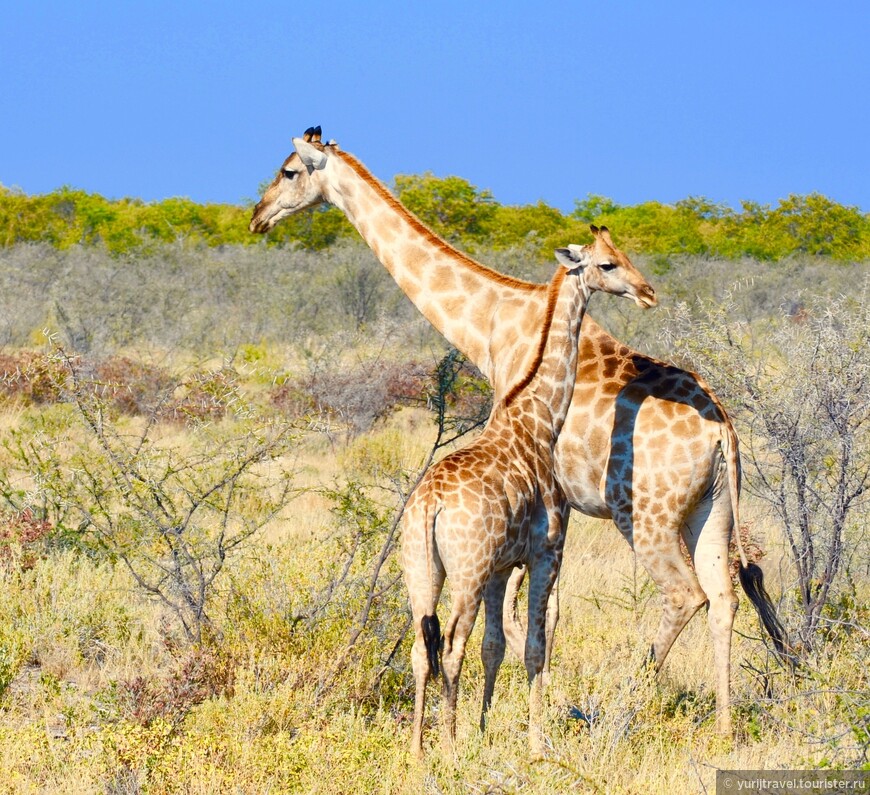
(453, 207)
(207, 438)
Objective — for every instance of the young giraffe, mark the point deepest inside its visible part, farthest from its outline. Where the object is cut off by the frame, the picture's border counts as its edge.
(645, 444)
(493, 504)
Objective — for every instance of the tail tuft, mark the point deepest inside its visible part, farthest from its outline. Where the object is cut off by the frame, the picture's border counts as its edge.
(752, 580)
(432, 636)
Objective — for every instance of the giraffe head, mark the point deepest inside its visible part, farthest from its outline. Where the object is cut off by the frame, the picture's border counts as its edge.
(607, 269)
(299, 184)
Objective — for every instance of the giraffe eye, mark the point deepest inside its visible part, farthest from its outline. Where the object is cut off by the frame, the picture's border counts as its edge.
(289, 174)
(607, 267)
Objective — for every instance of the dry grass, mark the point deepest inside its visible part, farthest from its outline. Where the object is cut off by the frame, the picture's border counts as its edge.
(75, 635)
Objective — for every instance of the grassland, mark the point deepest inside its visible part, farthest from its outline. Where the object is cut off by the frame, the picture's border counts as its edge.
(300, 679)
(104, 696)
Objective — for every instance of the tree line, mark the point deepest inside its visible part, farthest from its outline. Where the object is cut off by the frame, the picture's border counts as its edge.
(459, 211)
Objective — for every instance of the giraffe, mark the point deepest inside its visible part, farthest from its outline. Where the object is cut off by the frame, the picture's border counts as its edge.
(645, 444)
(495, 503)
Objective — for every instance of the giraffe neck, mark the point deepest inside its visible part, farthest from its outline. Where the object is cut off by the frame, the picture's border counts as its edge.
(458, 295)
(547, 388)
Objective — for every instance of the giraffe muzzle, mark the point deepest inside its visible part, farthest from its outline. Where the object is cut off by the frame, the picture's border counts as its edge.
(259, 224)
(646, 298)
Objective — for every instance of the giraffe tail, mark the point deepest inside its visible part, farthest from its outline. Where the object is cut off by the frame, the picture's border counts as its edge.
(429, 623)
(751, 576)
(432, 636)
(752, 581)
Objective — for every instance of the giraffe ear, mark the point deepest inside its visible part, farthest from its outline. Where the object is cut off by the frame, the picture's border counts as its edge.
(573, 256)
(567, 258)
(310, 155)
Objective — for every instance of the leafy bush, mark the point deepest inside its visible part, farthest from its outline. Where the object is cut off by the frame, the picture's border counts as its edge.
(456, 209)
(196, 300)
(207, 396)
(357, 396)
(451, 206)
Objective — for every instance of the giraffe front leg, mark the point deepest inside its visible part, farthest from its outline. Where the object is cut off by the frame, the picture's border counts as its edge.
(514, 630)
(558, 514)
(493, 646)
(542, 575)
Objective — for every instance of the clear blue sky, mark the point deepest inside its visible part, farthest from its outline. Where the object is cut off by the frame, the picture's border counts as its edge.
(550, 100)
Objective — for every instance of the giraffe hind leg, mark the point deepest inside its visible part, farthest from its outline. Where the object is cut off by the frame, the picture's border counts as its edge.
(421, 668)
(514, 630)
(424, 663)
(707, 534)
(682, 594)
(456, 632)
(424, 596)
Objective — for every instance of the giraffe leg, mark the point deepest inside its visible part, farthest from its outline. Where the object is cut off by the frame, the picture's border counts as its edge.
(658, 551)
(514, 630)
(707, 534)
(558, 515)
(423, 599)
(493, 646)
(420, 667)
(551, 621)
(459, 626)
(543, 570)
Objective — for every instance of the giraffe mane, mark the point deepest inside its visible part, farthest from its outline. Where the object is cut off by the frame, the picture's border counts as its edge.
(363, 173)
(552, 296)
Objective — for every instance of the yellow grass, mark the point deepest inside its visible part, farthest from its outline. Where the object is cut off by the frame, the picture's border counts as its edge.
(75, 632)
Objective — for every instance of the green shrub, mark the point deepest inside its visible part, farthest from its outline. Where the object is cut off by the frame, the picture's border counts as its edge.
(459, 211)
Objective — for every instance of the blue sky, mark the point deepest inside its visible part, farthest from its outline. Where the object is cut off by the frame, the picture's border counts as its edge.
(555, 100)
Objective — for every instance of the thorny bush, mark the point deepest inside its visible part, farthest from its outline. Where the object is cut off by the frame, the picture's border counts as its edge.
(798, 387)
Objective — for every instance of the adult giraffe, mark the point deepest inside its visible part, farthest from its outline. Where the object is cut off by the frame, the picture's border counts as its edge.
(644, 443)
